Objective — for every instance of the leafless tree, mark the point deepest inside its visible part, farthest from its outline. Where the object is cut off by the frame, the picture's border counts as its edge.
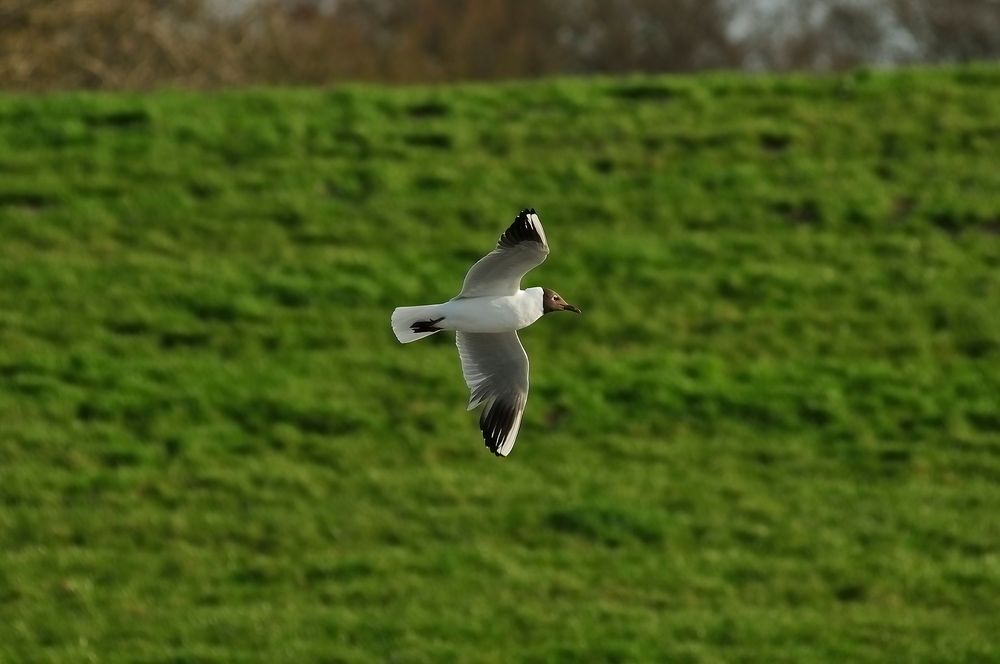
(954, 31)
(135, 44)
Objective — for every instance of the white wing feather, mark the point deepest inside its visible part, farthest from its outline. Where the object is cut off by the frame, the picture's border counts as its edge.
(495, 367)
(521, 247)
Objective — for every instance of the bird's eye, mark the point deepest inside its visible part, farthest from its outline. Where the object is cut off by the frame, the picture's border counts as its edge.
(556, 297)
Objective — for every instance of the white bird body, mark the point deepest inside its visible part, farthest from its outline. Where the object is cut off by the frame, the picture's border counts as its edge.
(489, 313)
(486, 316)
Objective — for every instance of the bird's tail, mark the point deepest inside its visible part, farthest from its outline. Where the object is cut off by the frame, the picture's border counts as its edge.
(412, 323)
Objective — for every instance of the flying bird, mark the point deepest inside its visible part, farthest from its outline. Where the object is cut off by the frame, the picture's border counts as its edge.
(486, 316)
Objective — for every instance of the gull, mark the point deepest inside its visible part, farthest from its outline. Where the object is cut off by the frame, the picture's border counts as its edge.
(486, 316)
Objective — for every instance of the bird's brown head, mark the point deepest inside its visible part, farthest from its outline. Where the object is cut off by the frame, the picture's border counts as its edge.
(552, 301)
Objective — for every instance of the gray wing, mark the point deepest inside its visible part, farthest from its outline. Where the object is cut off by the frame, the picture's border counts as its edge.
(496, 370)
(521, 247)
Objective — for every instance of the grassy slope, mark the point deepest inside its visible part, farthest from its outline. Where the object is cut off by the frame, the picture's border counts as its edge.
(773, 436)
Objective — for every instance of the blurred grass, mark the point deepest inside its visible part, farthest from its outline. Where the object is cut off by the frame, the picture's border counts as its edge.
(773, 436)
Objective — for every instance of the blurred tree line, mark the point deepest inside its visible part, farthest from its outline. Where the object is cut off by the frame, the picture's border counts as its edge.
(137, 44)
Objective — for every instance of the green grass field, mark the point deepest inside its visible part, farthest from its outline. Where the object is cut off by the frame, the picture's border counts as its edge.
(773, 435)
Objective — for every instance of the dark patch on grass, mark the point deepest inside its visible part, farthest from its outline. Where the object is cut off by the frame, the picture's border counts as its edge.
(885, 171)
(347, 571)
(288, 294)
(947, 221)
(88, 411)
(851, 593)
(260, 414)
(985, 420)
(977, 346)
(289, 218)
(652, 143)
(434, 141)
(15, 369)
(33, 385)
(764, 458)
(749, 536)
(495, 142)
(431, 182)
(815, 414)
(643, 92)
(428, 109)
(202, 190)
(902, 207)
(773, 141)
(251, 575)
(981, 75)
(129, 327)
(9, 592)
(173, 447)
(799, 212)
(120, 457)
(121, 119)
(27, 200)
(608, 525)
(355, 186)
(891, 144)
(555, 416)
(695, 142)
(603, 166)
(955, 222)
(220, 308)
(896, 456)
(184, 339)
(354, 141)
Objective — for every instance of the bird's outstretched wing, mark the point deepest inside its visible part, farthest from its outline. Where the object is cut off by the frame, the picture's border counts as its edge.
(521, 248)
(496, 370)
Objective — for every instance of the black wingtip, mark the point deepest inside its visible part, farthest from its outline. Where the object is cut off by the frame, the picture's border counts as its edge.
(496, 422)
(521, 230)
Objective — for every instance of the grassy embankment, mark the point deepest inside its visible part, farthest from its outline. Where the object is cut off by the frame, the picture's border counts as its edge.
(774, 434)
